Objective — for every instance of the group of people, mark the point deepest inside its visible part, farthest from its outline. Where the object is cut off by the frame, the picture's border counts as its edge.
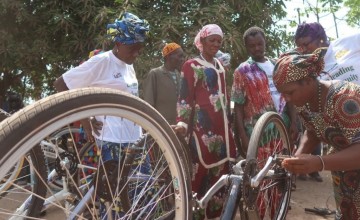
(192, 96)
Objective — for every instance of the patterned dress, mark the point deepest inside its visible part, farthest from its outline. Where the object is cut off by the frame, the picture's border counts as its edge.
(339, 126)
(202, 106)
(251, 89)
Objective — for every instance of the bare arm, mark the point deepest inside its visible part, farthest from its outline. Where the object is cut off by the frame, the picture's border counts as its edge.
(308, 143)
(293, 130)
(60, 86)
(239, 111)
(347, 159)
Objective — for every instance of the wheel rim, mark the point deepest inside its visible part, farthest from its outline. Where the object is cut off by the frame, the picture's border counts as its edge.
(163, 140)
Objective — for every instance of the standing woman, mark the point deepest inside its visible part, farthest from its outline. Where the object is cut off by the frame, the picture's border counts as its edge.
(111, 69)
(202, 116)
(330, 111)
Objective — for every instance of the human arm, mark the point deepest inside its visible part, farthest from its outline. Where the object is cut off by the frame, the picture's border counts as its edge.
(344, 160)
(308, 143)
(60, 85)
(238, 96)
(239, 123)
(293, 129)
(186, 105)
(150, 88)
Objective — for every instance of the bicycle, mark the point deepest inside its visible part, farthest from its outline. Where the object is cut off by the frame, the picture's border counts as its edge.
(167, 180)
(259, 187)
(121, 187)
(60, 146)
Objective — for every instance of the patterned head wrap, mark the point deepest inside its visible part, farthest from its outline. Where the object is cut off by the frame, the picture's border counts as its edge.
(169, 48)
(313, 30)
(207, 30)
(224, 58)
(293, 66)
(129, 30)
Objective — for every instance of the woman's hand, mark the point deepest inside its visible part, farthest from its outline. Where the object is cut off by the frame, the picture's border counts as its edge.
(303, 164)
(96, 125)
(179, 129)
(90, 125)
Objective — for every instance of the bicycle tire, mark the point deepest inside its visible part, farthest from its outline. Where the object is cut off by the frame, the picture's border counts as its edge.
(32, 124)
(270, 200)
(13, 174)
(35, 161)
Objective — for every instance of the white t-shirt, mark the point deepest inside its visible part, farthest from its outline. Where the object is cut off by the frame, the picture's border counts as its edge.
(268, 67)
(106, 71)
(342, 59)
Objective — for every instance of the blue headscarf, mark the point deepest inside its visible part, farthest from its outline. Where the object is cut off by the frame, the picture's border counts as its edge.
(128, 30)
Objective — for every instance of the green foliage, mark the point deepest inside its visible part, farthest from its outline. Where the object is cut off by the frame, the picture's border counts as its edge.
(353, 16)
(40, 40)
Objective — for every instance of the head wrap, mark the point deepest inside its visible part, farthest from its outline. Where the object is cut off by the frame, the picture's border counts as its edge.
(128, 30)
(224, 58)
(293, 66)
(169, 48)
(207, 30)
(313, 30)
(95, 52)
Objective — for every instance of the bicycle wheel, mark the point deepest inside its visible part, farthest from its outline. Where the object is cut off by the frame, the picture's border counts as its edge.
(103, 185)
(270, 199)
(71, 139)
(11, 176)
(24, 182)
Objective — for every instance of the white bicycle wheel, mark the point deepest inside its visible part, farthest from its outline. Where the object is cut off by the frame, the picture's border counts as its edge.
(270, 199)
(165, 182)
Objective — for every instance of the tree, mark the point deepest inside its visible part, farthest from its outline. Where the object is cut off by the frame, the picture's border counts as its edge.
(353, 17)
(41, 39)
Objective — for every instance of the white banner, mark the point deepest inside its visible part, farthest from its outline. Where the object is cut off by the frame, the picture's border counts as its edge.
(342, 60)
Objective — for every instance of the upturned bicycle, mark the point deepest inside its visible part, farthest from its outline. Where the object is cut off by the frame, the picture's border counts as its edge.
(151, 178)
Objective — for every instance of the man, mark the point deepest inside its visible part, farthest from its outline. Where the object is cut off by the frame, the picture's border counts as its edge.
(162, 84)
(253, 90)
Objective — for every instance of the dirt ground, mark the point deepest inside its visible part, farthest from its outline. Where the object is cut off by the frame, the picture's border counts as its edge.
(310, 194)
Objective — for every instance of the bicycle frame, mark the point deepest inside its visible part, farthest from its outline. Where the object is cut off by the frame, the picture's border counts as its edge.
(234, 181)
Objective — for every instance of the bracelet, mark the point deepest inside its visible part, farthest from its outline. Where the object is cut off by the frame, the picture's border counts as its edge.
(322, 162)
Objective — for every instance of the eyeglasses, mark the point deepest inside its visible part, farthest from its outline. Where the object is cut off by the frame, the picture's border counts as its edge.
(303, 46)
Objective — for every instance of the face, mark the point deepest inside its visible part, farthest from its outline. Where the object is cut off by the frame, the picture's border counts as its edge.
(307, 45)
(176, 59)
(129, 53)
(255, 46)
(298, 93)
(211, 44)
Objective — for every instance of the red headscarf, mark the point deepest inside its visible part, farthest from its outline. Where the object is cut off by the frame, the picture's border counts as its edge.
(293, 66)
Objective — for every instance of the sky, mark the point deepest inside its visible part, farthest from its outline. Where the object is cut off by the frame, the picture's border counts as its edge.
(326, 19)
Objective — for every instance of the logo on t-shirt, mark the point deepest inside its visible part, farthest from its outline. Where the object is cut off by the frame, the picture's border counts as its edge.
(117, 75)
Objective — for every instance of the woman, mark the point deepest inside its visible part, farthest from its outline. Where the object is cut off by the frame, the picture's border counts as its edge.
(330, 111)
(308, 38)
(202, 115)
(111, 69)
